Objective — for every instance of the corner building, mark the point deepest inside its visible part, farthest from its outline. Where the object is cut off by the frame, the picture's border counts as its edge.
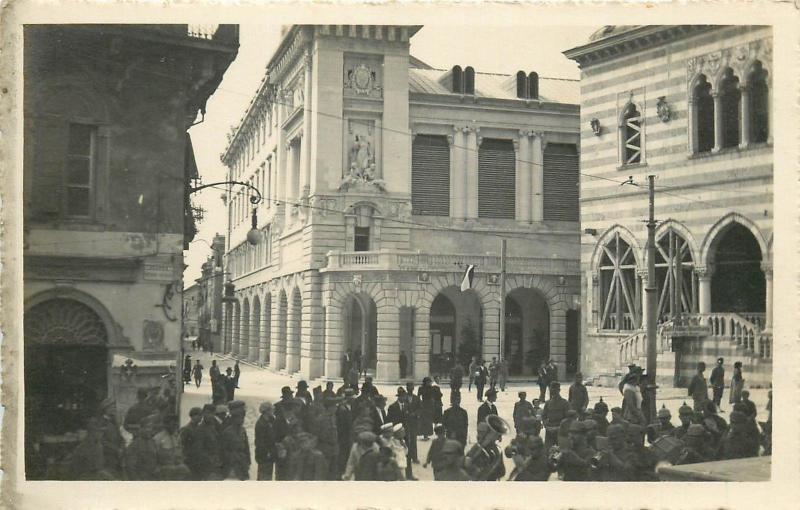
(383, 178)
(691, 105)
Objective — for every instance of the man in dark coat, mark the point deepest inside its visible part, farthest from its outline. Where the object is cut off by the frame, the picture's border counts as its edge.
(345, 414)
(266, 441)
(236, 373)
(412, 425)
(600, 417)
(235, 445)
(456, 378)
(522, 408)
(698, 388)
(206, 446)
(87, 460)
(488, 406)
(302, 392)
(481, 375)
(378, 413)
(455, 421)
(717, 381)
(555, 410)
(140, 456)
(213, 372)
(188, 437)
(138, 411)
(741, 440)
(578, 395)
(113, 444)
(229, 383)
(449, 465)
(329, 391)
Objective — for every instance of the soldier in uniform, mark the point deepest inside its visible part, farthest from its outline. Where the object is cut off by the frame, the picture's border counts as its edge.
(206, 446)
(449, 467)
(88, 460)
(685, 414)
(169, 452)
(599, 416)
(530, 461)
(344, 430)
(113, 443)
(140, 455)
(741, 441)
(717, 381)
(522, 408)
(613, 464)
(575, 459)
(455, 421)
(664, 427)
(578, 395)
(488, 406)
(235, 445)
(564, 427)
(310, 463)
(643, 458)
(555, 410)
(698, 387)
(693, 451)
(188, 437)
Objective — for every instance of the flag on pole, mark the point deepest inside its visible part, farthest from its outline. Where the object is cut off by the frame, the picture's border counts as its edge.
(469, 274)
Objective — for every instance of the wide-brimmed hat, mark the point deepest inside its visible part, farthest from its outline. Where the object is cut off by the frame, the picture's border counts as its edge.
(387, 427)
(302, 384)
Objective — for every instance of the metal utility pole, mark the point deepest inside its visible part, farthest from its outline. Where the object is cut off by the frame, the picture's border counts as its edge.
(502, 297)
(652, 304)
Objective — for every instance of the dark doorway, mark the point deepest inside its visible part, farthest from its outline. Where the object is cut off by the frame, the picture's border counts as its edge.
(738, 283)
(573, 341)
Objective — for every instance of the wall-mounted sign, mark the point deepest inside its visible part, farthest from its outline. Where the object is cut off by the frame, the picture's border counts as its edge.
(158, 271)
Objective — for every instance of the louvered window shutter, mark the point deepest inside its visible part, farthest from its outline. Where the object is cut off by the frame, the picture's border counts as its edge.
(496, 179)
(560, 182)
(49, 162)
(430, 176)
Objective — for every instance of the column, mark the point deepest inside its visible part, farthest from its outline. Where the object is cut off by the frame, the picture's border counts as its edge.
(236, 321)
(333, 340)
(266, 331)
(280, 153)
(537, 178)
(305, 156)
(767, 268)
(422, 343)
(704, 289)
(388, 366)
(464, 171)
(524, 184)
(255, 333)
(491, 328)
(457, 184)
(471, 195)
(717, 121)
(744, 125)
(277, 348)
(293, 330)
(311, 355)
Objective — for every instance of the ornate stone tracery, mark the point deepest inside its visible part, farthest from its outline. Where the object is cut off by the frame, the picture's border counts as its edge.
(64, 322)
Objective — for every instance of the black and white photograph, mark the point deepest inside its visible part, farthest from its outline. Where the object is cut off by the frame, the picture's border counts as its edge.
(274, 250)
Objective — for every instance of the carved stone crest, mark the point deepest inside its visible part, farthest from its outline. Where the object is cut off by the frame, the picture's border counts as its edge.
(357, 282)
(153, 335)
(361, 79)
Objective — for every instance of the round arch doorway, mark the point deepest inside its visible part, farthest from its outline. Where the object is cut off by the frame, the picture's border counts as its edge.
(66, 368)
(361, 332)
(456, 329)
(527, 341)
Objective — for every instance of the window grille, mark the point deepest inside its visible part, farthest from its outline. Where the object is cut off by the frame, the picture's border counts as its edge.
(430, 176)
(496, 179)
(620, 288)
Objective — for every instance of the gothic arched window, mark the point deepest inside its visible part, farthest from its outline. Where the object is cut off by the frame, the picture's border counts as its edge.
(759, 104)
(730, 102)
(522, 85)
(674, 276)
(703, 116)
(620, 289)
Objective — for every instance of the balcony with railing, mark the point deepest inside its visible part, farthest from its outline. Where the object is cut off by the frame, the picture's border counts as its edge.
(418, 261)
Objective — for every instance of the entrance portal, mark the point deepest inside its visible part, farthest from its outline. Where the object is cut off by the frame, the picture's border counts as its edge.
(738, 284)
(456, 329)
(361, 331)
(527, 337)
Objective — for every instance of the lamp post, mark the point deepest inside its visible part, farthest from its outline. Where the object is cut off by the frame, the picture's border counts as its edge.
(253, 235)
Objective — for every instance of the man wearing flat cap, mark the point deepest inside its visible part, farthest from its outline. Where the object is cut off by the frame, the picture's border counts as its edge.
(522, 408)
(717, 381)
(140, 455)
(265, 441)
(188, 438)
(206, 446)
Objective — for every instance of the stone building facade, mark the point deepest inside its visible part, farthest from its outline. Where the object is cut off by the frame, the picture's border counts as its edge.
(691, 105)
(210, 292)
(107, 168)
(383, 179)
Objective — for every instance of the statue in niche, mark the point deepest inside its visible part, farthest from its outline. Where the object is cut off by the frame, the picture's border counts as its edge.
(362, 159)
(362, 171)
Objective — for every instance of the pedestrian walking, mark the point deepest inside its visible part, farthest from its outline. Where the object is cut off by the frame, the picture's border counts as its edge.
(266, 452)
(471, 369)
(197, 372)
(187, 369)
(698, 388)
(717, 381)
(543, 381)
(235, 444)
(522, 409)
(494, 370)
(426, 395)
(414, 407)
(488, 407)
(737, 384)
(502, 374)
(229, 383)
(236, 373)
(188, 438)
(481, 376)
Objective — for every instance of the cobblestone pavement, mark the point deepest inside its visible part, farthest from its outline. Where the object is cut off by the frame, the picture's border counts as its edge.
(258, 384)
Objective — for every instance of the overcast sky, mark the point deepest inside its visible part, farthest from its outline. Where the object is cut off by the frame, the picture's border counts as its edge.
(484, 48)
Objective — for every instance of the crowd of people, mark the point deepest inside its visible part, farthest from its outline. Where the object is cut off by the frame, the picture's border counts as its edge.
(350, 433)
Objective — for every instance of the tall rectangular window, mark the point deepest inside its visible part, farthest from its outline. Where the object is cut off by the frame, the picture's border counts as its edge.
(496, 179)
(268, 185)
(430, 176)
(361, 239)
(560, 182)
(80, 169)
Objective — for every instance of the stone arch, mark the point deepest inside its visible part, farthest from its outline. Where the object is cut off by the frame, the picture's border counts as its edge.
(364, 203)
(116, 339)
(294, 329)
(715, 234)
(264, 341)
(255, 329)
(626, 235)
(684, 232)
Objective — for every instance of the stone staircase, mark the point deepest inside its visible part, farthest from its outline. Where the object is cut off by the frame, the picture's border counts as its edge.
(685, 340)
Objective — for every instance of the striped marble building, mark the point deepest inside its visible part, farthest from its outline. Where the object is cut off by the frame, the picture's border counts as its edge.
(692, 106)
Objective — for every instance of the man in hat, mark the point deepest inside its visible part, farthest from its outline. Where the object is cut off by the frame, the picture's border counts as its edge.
(685, 414)
(413, 410)
(664, 427)
(530, 461)
(522, 408)
(555, 410)
(214, 373)
(456, 377)
(236, 373)
(698, 388)
(578, 395)
(140, 456)
(502, 374)
(329, 391)
(378, 412)
(436, 446)
(716, 426)
(488, 407)
(449, 467)
(345, 414)
(365, 443)
(283, 409)
(749, 407)
(575, 459)
(693, 450)
(266, 441)
(169, 453)
(235, 445)
(455, 420)
(302, 392)
(494, 371)
(113, 444)
(230, 384)
(600, 417)
(188, 438)
(717, 381)
(138, 411)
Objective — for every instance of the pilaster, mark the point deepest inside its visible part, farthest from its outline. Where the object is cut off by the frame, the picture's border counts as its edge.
(387, 367)
(277, 350)
(537, 178)
(311, 348)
